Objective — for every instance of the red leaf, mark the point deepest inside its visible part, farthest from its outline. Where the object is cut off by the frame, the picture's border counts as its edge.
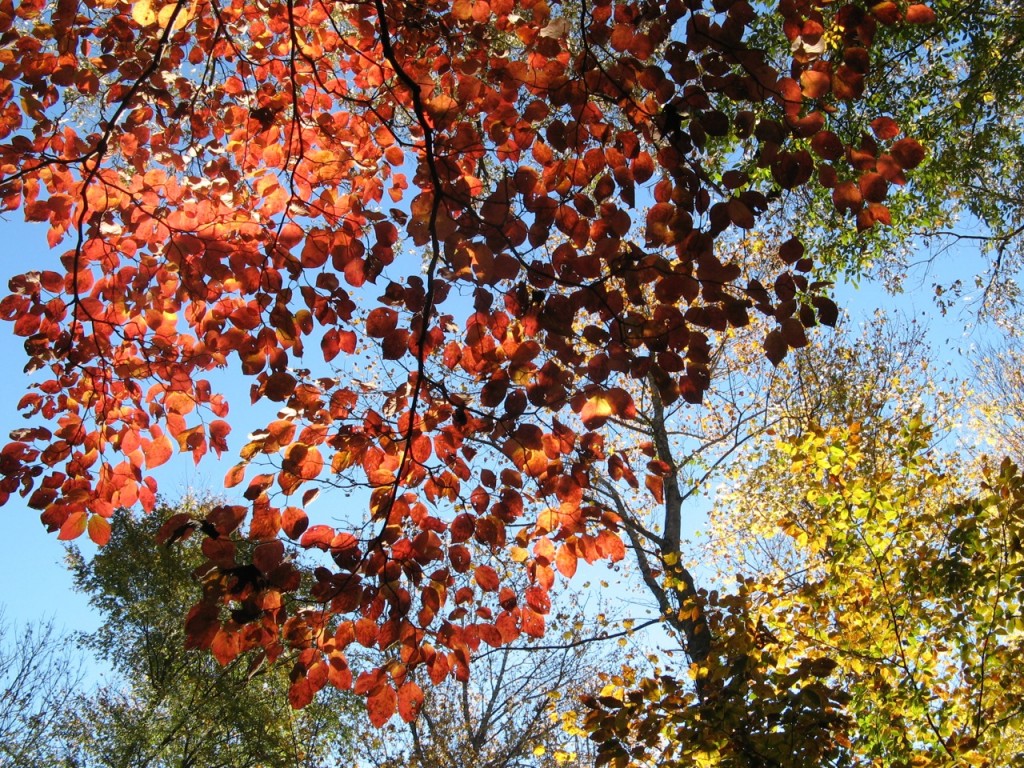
(294, 521)
(380, 322)
(740, 213)
(318, 537)
(873, 187)
(908, 153)
(366, 632)
(847, 197)
(885, 128)
(828, 312)
(279, 386)
(538, 599)
(491, 635)
(381, 705)
(268, 555)
(201, 625)
(919, 13)
(487, 578)
(335, 342)
(775, 346)
(300, 693)
(421, 449)
(175, 528)
(462, 527)
(438, 668)
(410, 701)
(827, 145)
(395, 344)
(265, 523)
(367, 682)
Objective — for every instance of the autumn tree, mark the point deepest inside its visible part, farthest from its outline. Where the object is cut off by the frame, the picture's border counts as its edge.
(705, 714)
(863, 611)
(521, 212)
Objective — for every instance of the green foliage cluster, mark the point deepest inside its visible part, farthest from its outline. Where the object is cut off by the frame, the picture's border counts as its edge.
(170, 706)
(958, 86)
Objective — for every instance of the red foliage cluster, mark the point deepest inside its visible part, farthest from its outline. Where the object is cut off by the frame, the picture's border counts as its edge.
(233, 182)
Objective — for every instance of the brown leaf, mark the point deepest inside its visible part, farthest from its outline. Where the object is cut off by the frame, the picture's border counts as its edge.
(775, 347)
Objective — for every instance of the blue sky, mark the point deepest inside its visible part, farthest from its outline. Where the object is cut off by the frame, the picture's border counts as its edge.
(35, 583)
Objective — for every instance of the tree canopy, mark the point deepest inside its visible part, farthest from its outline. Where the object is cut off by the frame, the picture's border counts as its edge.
(478, 257)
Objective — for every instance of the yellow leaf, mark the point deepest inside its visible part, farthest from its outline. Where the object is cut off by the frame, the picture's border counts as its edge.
(142, 12)
(164, 17)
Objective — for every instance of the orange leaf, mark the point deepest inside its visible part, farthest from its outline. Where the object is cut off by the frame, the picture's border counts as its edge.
(73, 527)
(381, 705)
(532, 623)
(410, 701)
(565, 561)
(656, 485)
(815, 84)
(919, 13)
(610, 546)
(886, 12)
(159, 451)
(601, 407)
(99, 530)
(224, 647)
(234, 476)
(265, 523)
